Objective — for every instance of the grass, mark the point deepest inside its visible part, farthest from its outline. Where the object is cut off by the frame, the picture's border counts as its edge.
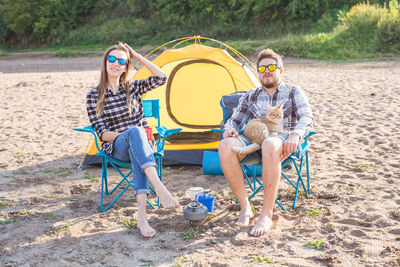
(24, 212)
(5, 204)
(8, 221)
(316, 244)
(50, 215)
(315, 212)
(59, 229)
(50, 195)
(263, 260)
(190, 234)
(129, 223)
(179, 261)
(395, 213)
(179, 170)
(365, 167)
(92, 178)
(10, 175)
(61, 172)
(303, 234)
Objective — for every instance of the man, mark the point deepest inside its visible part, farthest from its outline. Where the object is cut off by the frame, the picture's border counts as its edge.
(297, 123)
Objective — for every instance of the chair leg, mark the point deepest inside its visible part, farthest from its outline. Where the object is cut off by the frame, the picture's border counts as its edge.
(308, 173)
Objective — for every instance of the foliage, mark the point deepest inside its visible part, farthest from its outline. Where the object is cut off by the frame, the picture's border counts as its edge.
(190, 234)
(129, 223)
(5, 204)
(324, 29)
(389, 29)
(317, 244)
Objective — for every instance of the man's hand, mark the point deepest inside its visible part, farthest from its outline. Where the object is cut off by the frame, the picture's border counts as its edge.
(230, 133)
(291, 144)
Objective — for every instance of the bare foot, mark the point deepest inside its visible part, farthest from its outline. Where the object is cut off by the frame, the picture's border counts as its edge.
(263, 224)
(245, 216)
(145, 229)
(166, 199)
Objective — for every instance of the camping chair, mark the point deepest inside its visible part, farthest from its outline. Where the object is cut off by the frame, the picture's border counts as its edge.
(228, 102)
(151, 110)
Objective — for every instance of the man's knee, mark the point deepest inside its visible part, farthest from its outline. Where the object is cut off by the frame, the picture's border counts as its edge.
(225, 145)
(271, 149)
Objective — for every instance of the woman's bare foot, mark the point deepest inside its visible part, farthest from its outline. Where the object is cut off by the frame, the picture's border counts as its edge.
(145, 229)
(263, 224)
(166, 199)
(245, 216)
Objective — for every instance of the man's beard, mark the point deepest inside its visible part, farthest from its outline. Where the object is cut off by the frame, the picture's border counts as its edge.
(272, 84)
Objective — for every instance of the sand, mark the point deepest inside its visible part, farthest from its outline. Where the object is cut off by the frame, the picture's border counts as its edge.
(49, 212)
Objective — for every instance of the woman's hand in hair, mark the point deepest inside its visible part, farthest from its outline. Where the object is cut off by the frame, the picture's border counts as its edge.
(133, 54)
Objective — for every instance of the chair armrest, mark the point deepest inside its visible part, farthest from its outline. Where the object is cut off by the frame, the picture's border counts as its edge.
(89, 129)
(163, 133)
(308, 135)
(221, 130)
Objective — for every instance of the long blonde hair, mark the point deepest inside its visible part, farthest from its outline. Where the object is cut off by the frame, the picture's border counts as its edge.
(103, 83)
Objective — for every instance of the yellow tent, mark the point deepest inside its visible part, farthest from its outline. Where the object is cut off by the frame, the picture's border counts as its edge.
(198, 76)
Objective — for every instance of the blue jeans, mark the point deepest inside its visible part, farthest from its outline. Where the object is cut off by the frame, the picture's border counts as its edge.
(132, 145)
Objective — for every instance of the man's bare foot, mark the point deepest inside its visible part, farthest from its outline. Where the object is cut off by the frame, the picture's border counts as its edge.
(145, 229)
(263, 224)
(245, 216)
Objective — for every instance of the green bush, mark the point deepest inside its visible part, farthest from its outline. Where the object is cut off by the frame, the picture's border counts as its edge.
(361, 25)
(389, 29)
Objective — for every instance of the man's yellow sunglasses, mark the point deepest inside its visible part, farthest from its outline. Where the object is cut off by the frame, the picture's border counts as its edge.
(270, 67)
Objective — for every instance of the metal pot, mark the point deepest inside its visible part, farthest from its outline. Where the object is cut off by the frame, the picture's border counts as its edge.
(195, 211)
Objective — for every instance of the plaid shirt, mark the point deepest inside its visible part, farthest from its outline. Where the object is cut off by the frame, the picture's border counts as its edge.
(297, 111)
(115, 117)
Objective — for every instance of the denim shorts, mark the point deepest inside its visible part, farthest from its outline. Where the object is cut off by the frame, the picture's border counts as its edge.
(255, 157)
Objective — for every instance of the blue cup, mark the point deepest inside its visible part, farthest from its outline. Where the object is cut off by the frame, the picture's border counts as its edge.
(207, 200)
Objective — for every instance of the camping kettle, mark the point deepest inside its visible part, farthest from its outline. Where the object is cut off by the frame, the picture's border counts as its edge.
(195, 211)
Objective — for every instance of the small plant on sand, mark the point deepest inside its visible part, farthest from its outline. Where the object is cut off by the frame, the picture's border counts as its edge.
(179, 170)
(253, 209)
(395, 213)
(164, 174)
(363, 220)
(331, 225)
(179, 261)
(258, 259)
(49, 195)
(24, 212)
(58, 229)
(8, 221)
(10, 175)
(129, 222)
(315, 213)
(5, 204)
(49, 215)
(317, 244)
(365, 167)
(92, 178)
(303, 234)
(190, 234)
(61, 172)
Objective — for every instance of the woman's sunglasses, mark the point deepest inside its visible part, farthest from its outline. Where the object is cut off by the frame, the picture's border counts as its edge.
(270, 67)
(121, 61)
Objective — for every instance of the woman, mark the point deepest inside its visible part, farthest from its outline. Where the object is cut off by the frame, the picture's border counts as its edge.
(116, 113)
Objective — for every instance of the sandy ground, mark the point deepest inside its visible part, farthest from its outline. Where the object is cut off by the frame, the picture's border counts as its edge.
(49, 211)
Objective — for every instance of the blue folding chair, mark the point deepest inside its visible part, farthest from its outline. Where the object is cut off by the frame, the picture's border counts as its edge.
(151, 110)
(251, 172)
